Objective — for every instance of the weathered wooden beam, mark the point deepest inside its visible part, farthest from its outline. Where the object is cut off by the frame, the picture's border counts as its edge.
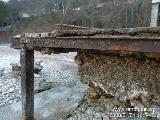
(27, 83)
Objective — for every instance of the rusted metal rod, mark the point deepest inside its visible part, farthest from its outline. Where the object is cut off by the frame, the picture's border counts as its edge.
(27, 83)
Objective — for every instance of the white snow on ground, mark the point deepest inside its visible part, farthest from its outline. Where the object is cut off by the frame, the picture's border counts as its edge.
(60, 71)
(8, 56)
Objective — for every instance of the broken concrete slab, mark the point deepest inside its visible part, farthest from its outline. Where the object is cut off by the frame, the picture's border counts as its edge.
(54, 104)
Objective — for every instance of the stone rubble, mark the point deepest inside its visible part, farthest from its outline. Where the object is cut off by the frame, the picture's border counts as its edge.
(10, 84)
(55, 72)
(16, 68)
(10, 81)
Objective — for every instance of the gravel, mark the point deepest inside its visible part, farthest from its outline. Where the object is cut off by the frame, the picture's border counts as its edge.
(58, 71)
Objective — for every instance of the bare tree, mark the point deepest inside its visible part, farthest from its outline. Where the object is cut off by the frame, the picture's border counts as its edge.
(65, 7)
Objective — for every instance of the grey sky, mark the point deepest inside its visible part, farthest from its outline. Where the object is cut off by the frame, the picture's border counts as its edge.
(4, 0)
(155, 1)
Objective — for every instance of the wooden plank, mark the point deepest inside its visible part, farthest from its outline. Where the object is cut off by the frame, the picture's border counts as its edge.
(27, 83)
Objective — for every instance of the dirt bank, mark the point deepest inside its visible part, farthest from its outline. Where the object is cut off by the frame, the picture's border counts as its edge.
(121, 83)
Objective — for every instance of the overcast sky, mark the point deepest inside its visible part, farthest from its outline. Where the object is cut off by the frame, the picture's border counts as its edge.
(4, 0)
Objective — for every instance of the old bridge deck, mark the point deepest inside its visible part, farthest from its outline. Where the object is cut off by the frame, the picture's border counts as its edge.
(137, 40)
(132, 40)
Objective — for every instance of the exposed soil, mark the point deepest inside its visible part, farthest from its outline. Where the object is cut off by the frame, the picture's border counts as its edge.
(118, 82)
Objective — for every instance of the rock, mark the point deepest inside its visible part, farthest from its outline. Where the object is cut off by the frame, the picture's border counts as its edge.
(67, 99)
(1, 72)
(16, 68)
(38, 67)
(11, 90)
(42, 85)
(10, 102)
(37, 76)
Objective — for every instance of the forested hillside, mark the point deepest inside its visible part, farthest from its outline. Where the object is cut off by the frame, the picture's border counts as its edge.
(43, 14)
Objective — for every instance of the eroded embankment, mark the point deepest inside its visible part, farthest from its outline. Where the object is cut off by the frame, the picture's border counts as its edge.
(118, 83)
